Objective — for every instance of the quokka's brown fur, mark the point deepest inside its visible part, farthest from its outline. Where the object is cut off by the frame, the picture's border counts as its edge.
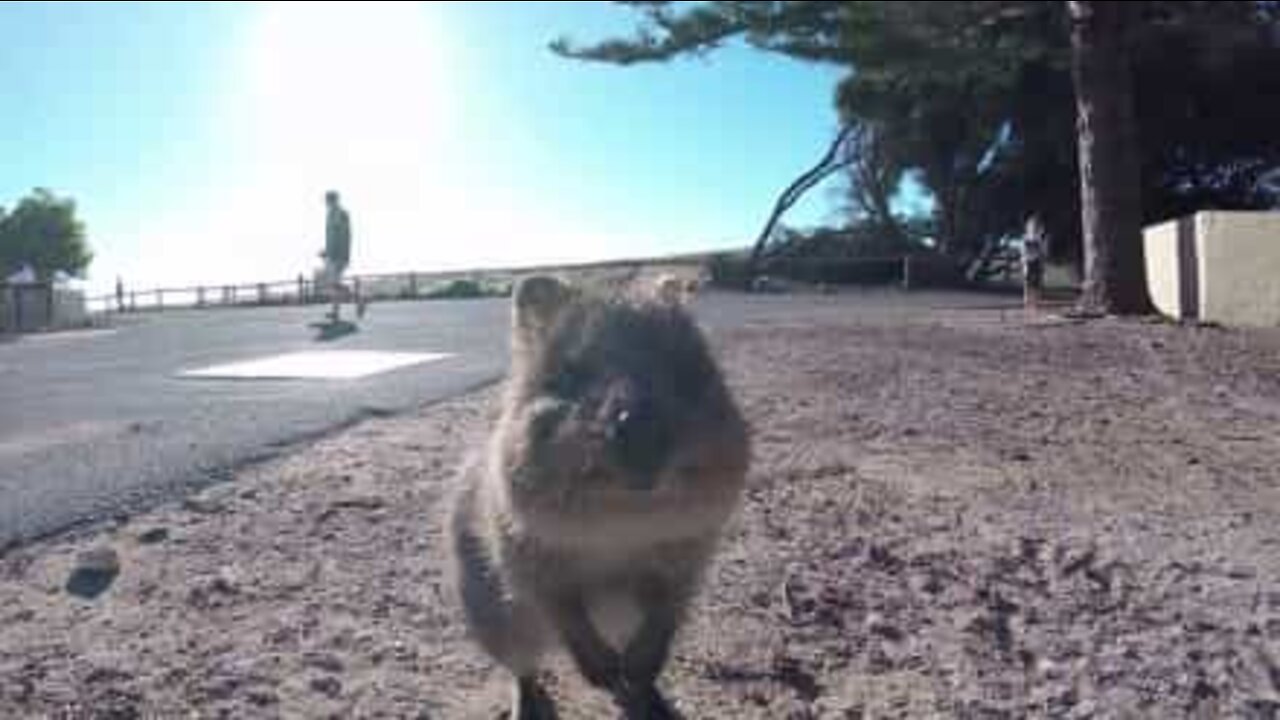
(590, 516)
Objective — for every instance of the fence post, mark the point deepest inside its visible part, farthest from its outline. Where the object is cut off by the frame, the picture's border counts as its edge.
(413, 285)
(355, 285)
(262, 293)
(133, 301)
(159, 299)
(200, 296)
(906, 272)
(302, 290)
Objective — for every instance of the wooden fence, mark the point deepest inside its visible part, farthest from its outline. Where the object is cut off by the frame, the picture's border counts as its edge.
(376, 287)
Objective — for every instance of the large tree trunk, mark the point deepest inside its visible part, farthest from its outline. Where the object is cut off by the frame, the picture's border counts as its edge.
(1110, 183)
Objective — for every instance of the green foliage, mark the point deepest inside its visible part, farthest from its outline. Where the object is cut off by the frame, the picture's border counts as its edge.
(978, 97)
(858, 241)
(875, 174)
(460, 290)
(975, 99)
(728, 270)
(807, 29)
(937, 85)
(865, 252)
(44, 232)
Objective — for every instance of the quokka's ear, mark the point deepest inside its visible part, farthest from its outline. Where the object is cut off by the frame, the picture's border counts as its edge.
(536, 302)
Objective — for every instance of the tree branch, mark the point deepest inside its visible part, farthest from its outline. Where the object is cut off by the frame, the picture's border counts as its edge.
(831, 161)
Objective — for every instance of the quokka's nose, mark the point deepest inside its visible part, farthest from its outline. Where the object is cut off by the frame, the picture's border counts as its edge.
(638, 439)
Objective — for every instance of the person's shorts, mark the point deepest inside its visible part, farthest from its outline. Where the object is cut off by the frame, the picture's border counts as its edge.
(333, 273)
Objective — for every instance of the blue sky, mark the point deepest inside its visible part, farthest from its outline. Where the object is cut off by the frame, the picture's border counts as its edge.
(198, 138)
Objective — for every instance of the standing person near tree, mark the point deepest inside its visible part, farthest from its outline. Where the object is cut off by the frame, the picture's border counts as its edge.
(1033, 263)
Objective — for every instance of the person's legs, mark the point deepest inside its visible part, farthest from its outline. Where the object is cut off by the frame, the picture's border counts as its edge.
(333, 278)
(1032, 284)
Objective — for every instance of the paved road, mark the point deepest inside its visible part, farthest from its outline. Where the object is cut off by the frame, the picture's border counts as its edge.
(94, 423)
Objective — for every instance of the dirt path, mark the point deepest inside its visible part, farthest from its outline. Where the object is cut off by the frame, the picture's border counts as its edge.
(951, 514)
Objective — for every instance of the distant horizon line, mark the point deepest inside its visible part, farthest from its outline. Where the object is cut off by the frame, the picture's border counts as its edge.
(678, 258)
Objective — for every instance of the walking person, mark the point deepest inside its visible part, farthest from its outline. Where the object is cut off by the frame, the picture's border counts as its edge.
(337, 253)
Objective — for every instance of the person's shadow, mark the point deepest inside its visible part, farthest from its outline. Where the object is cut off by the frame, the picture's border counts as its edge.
(331, 330)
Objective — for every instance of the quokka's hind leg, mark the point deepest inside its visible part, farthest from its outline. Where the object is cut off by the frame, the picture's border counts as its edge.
(530, 701)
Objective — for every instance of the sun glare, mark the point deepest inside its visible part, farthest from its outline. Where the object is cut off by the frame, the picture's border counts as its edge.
(346, 95)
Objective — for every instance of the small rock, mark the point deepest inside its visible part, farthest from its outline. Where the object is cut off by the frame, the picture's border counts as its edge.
(154, 535)
(202, 505)
(1064, 701)
(877, 625)
(147, 590)
(1264, 708)
(24, 615)
(93, 573)
(1074, 561)
(1085, 709)
(359, 502)
(403, 652)
(222, 687)
(326, 662)
(933, 584)
(205, 592)
(881, 557)
(226, 581)
(296, 579)
(262, 698)
(328, 686)
(791, 672)
(105, 675)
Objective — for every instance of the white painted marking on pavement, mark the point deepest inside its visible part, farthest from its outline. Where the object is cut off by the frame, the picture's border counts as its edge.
(55, 336)
(322, 364)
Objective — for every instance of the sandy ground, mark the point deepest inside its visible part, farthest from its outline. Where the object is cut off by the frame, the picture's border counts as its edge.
(950, 514)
